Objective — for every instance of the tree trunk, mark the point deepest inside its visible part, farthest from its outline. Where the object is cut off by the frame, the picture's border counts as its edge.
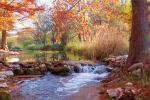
(4, 41)
(139, 34)
(64, 39)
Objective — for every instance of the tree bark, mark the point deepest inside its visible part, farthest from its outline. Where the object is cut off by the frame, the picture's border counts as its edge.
(139, 34)
(4, 41)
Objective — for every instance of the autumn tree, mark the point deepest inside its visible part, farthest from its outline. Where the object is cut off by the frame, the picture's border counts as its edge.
(12, 11)
(139, 34)
(74, 15)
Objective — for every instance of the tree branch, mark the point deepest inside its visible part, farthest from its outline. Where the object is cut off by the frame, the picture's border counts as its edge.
(11, 2)
(70, 9)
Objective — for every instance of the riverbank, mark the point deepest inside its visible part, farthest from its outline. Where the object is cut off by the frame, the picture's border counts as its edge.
(132, 85)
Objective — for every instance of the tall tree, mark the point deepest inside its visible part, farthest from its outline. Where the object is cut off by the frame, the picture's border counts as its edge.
(139, 34)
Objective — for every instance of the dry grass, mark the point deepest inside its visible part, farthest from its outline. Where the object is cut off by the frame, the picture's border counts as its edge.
(104, 43)
(109, 42)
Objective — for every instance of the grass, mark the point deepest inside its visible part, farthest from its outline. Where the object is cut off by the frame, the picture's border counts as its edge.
(55, 47)
(104, 43)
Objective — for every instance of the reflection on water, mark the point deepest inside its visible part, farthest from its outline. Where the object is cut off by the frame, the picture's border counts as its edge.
(31, 56)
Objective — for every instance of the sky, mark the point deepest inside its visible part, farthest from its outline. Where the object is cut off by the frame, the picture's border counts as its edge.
(28, 23)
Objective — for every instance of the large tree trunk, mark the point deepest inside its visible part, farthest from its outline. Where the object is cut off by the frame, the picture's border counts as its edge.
(4, 41)
(139, 34)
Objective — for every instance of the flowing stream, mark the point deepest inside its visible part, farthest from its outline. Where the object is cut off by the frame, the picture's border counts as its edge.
(75, 86)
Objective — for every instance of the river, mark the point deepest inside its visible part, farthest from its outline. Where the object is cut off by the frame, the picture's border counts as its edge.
(76, 86)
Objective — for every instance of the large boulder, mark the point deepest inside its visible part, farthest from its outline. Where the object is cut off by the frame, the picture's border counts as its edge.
(60, 70)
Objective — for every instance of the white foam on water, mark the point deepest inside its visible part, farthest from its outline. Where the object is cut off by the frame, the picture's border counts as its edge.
(72, 86)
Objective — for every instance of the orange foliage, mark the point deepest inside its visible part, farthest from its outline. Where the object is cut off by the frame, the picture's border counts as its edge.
(75, 14)
(12, 10)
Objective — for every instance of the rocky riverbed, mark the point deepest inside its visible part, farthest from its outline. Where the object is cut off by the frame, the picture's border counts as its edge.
(12, 73)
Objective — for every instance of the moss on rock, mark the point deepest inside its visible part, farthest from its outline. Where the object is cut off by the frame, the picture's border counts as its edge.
(17, 72)
(44, 70)
(63, 70)
(30, 71)
(5, 95)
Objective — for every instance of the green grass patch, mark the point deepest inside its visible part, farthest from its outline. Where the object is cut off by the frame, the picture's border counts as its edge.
(55, 47)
